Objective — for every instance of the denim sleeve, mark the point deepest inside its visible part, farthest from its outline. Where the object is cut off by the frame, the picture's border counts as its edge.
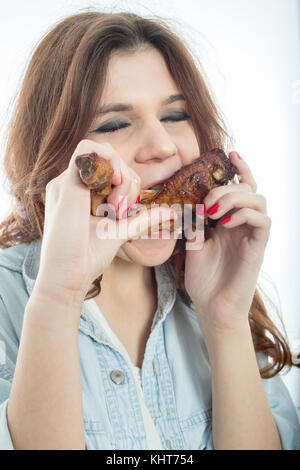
(5, 439)
(284, 412)
(8, 354)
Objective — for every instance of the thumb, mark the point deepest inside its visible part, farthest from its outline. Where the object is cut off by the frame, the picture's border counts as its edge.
(133, 227)
(146, 221)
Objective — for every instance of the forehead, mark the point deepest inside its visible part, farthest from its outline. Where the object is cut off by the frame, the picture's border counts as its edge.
(141, 75)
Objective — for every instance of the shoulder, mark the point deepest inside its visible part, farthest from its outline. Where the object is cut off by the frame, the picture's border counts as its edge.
(13, 299)
(11, 268)
(12, 258)
(13, 291)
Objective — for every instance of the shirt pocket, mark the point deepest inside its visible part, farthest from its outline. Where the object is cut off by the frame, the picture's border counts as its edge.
(96, 438)
(197, 430)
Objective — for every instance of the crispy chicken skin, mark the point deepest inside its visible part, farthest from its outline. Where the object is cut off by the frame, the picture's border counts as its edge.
(189, 185)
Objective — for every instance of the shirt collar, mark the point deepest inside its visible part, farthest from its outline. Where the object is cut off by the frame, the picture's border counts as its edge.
(31, 264)
(166, 292)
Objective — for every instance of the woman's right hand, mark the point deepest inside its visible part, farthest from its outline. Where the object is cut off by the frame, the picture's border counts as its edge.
(72, 254)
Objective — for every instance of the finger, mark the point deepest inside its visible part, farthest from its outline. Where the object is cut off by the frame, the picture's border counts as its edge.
(126, 194)
(104, 150)
(243, 170)
(145, 222)
(59, 185)
(216, 193)
(260, 222)
(237, 200)
(119, 198)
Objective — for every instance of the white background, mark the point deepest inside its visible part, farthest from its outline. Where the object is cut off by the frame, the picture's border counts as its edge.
(250, 52)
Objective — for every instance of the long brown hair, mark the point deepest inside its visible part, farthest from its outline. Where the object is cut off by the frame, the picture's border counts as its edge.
(55, 109)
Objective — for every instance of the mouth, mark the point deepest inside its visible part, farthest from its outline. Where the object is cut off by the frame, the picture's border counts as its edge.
(155, 186)
(149, 191)
(188, 185)
(163, 232)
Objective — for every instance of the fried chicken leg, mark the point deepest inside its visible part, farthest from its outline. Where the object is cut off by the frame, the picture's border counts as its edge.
(189, 185)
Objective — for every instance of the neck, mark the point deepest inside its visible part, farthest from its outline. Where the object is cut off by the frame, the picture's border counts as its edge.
(128, 300)
(126, 283)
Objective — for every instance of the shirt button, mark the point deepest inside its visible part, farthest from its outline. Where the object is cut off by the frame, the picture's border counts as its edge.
(117, 376)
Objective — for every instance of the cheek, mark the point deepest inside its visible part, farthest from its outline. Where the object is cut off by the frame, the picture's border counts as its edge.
(119, 143)
(188, 147)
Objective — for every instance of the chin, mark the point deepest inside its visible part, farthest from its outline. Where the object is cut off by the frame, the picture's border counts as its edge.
(148, 252)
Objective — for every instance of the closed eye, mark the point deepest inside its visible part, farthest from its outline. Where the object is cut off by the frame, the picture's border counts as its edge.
(176, 117)
(118, 125)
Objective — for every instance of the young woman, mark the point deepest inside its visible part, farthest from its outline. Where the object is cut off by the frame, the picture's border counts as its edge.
(174, 350)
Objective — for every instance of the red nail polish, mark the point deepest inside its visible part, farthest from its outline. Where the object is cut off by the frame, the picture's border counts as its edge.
(125, 213)
(213, 209)
(201, 210)
(121, 202)
(138, 200)
(239, 157)
(227, 219)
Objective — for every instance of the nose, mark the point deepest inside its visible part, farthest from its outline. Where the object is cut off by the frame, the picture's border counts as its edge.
(155, 143)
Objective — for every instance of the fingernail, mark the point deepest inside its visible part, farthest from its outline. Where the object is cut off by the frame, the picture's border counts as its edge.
(227, 219)
(138, 200)
(125, 213)
(213, 209)
(201, 210)
(120, 203)
(238, 155)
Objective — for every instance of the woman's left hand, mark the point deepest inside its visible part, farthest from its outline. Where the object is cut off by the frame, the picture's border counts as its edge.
(221, 276)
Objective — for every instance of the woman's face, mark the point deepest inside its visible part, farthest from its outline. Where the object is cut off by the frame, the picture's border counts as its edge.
(154, 137)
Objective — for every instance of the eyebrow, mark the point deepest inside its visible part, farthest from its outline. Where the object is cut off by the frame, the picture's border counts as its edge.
(108, 108)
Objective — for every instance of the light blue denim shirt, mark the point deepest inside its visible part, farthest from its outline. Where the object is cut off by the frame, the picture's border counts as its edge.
(176, 374)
